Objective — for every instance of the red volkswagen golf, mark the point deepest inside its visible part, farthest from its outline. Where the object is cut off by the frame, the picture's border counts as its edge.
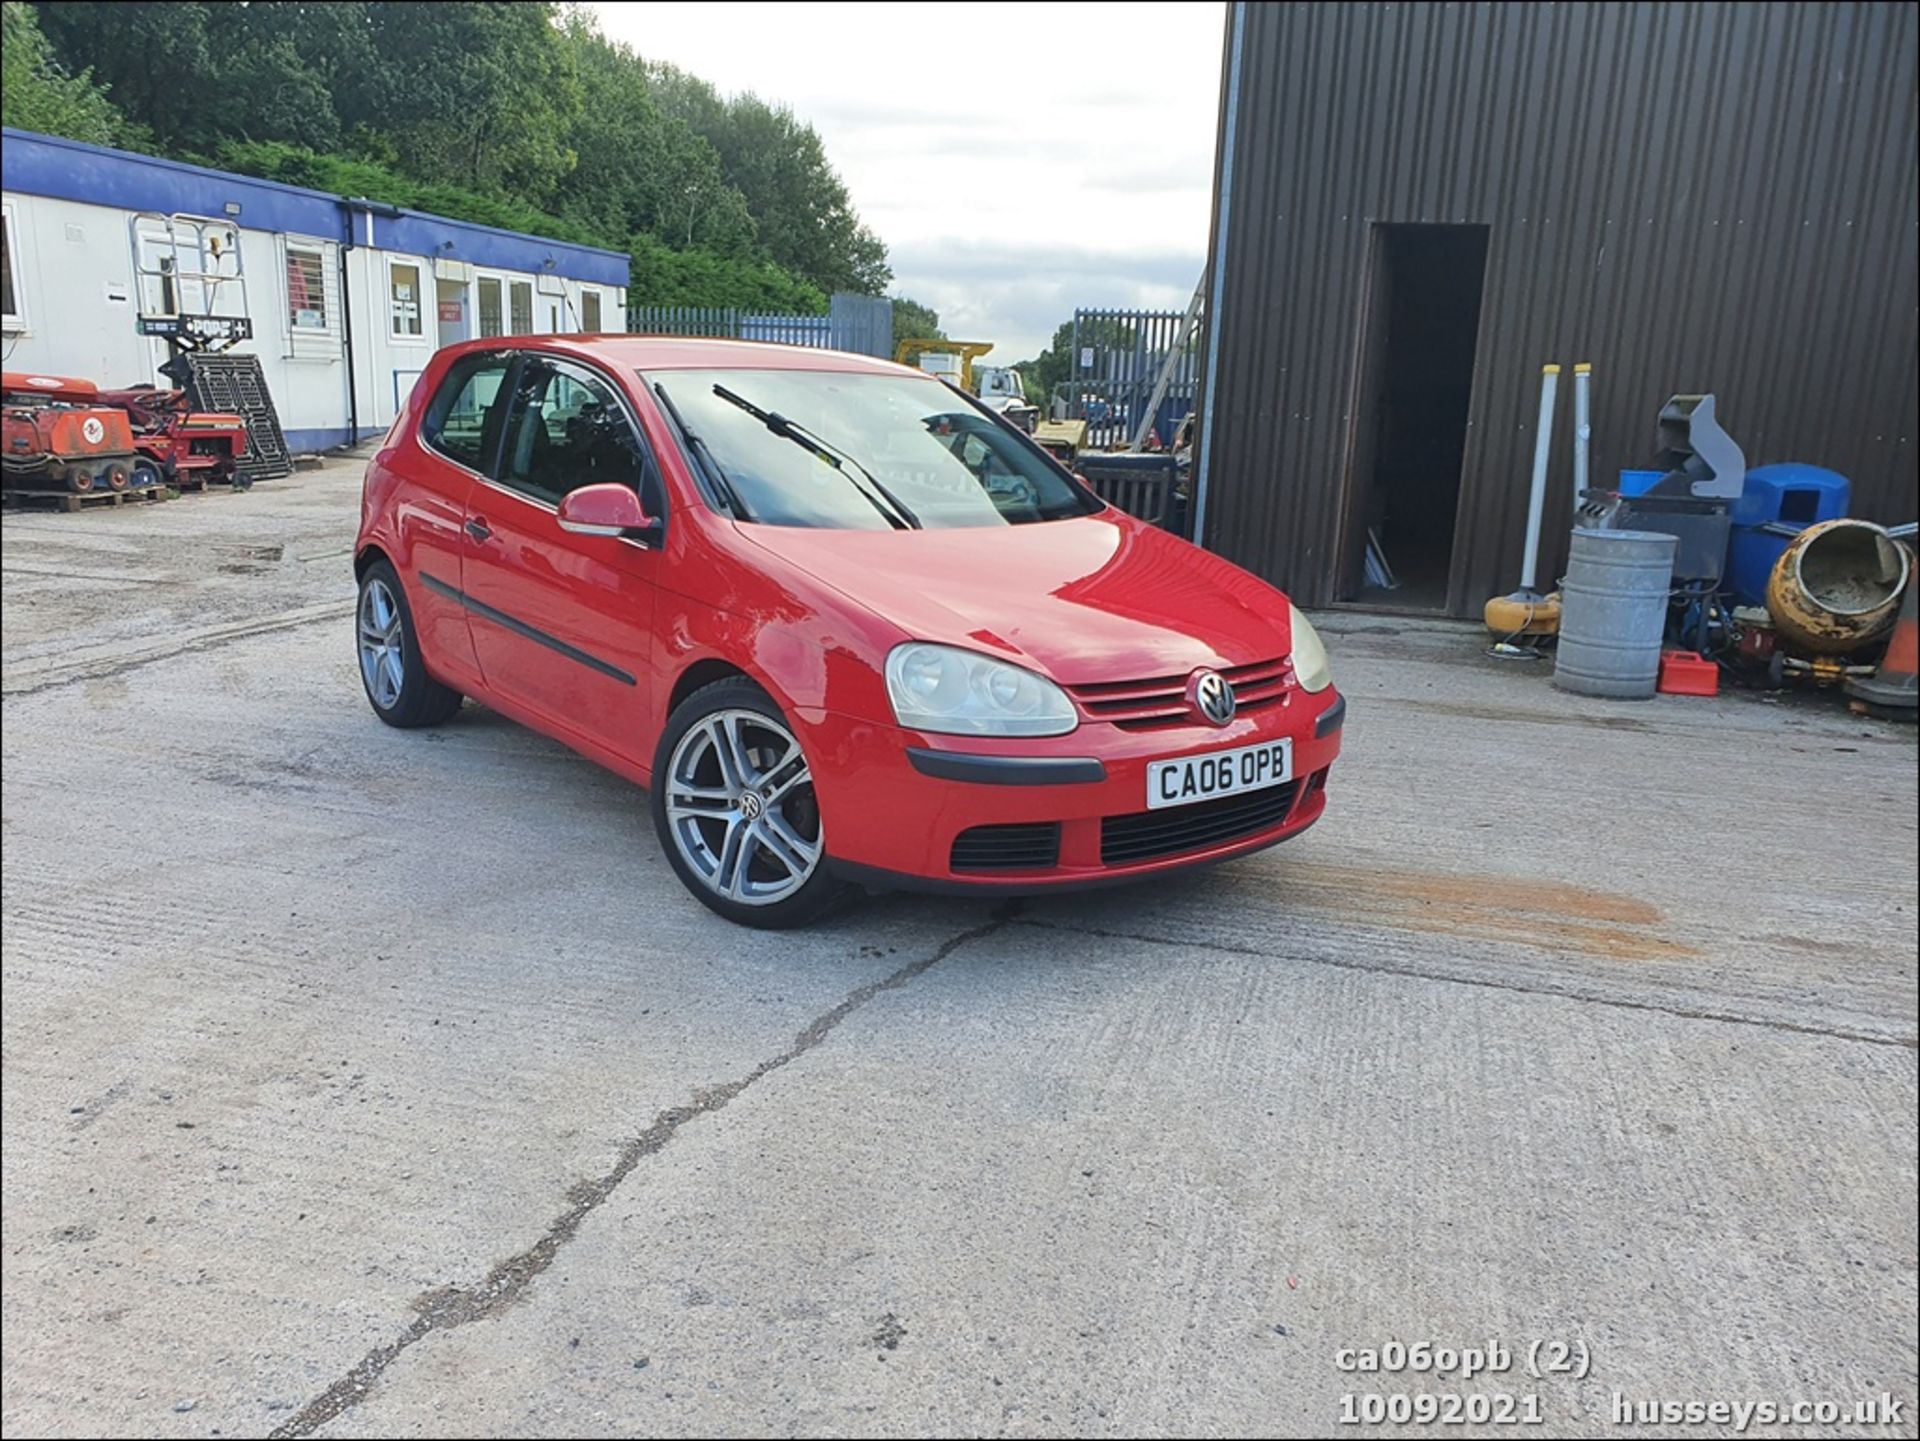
(844, 624)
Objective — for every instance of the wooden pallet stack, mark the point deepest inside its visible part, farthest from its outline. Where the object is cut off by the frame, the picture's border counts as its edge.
(82, 500)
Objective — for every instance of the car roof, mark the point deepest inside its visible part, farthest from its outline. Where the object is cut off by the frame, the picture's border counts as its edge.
(672, 352)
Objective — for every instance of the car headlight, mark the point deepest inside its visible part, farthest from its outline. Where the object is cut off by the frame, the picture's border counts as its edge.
(961, 692)
(1309, 655)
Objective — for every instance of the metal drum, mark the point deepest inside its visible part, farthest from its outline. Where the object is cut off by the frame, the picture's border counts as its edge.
(1836, 587)
(1614, 612)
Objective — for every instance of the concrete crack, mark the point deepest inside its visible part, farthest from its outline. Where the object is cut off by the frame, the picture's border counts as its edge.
(1838, 1033)
(452, 1306)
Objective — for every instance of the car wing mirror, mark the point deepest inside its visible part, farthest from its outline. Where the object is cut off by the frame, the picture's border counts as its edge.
(608, 509)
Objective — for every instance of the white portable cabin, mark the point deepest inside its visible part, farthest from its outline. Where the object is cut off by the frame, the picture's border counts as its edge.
(347, 297)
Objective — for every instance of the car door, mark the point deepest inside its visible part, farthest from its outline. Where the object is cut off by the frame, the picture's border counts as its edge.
(459, 442)
(562, 623)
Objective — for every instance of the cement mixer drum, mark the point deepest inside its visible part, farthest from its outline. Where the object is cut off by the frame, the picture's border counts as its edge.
(1836, 589)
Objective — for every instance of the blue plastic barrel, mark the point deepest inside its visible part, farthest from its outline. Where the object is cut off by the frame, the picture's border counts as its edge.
(1788, 494)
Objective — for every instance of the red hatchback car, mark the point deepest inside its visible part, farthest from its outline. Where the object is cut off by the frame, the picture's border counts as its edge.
(845, 624)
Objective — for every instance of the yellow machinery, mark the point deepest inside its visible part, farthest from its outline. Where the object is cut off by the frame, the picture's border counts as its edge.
(1521, 613)
(1064, 438)
(908, 352)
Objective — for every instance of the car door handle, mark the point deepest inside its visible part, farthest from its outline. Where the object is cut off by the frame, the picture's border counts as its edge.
(479, 529)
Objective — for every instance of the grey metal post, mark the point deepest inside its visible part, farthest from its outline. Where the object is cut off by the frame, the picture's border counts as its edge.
(1537, 501)
(1582, 431)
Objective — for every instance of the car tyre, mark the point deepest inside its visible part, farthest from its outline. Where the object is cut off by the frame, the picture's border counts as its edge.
(734, 807)
(388, 649)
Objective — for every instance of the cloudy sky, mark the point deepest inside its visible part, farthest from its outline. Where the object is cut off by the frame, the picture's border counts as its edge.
(1018, 160)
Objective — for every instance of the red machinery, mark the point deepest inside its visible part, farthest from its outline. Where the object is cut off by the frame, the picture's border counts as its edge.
(68, 434)
(177, 442)
(58, 435)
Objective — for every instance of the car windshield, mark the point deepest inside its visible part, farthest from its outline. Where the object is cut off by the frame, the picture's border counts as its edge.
(877, 451)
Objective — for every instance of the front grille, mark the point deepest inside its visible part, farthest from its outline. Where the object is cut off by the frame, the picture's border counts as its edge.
(1162, 702)
(1142, 837)
(1032, 846)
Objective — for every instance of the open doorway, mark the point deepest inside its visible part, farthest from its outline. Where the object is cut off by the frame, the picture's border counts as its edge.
(1423, 324)
(451, 306)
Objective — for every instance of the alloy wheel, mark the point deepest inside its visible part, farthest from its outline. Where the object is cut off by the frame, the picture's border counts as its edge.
(382, 659)
(741, 808)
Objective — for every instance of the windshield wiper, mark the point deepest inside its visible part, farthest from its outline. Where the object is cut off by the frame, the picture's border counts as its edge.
(729, 497)
(895, 510)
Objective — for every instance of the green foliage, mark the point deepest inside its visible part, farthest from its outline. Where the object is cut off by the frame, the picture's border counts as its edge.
(190, 75)
(346, 175)
(914, 321)
(40, 95)
(662, 276)
(482, 94)
(520, 115)
(1050, 367)
(805, 218)
(638, 169)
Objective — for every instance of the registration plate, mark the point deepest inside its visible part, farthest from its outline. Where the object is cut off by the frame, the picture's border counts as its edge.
(1218, 773)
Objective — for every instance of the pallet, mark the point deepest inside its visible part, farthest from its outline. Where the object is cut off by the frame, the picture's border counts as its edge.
(70, 501)
(235, 384)
(199, 483)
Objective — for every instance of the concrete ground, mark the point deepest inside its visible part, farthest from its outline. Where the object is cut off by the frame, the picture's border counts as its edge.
(369, 1083)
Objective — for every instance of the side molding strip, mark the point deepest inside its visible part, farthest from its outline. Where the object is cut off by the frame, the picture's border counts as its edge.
(520, 627)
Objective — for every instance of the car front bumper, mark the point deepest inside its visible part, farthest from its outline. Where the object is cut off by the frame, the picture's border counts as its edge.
(1060, 813)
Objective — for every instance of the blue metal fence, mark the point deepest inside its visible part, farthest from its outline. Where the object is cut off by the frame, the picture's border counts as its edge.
(1118, 356)
(814, 330)
(683, 320)
(860, 323)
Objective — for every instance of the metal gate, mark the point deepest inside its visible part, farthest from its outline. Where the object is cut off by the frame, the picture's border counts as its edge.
(1119, 357)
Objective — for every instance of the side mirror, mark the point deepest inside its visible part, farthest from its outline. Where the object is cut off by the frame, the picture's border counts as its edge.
(609, 509)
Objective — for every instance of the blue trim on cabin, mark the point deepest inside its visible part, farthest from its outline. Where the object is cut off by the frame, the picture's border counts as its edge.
(95, 175)
(308, 442)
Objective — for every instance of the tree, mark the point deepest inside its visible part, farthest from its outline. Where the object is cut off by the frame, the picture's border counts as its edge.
(664, 276)
(1050, 367)
(40, 95)
(521, 115)
(800, 207)
(914, 321)
(638, 169)
(479, 94)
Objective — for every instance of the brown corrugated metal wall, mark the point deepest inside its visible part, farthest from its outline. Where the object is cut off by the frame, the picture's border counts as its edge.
(1710, 197)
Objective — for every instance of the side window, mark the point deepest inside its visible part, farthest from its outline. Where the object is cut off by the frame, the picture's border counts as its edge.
(490, 322)
(463, 422)
(404, 280)
(590, 312)
(12, 313)
(306, 288)
(568, 429)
